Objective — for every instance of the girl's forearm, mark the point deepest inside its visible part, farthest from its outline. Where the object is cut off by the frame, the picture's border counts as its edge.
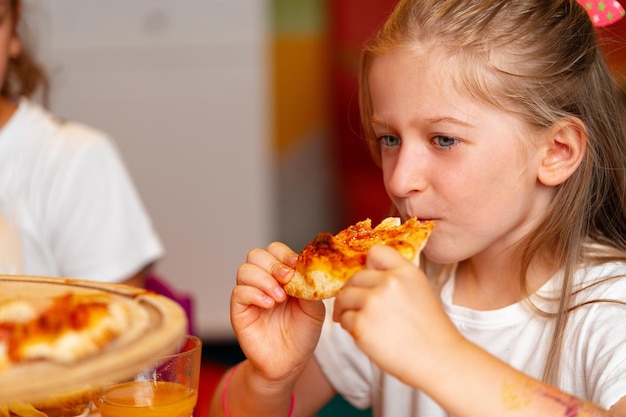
(471, 383)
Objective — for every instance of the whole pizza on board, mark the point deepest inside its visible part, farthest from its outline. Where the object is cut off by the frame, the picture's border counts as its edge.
(60, 339)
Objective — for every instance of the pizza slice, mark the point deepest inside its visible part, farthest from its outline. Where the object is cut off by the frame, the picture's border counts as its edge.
(327, 262)
(61, 329)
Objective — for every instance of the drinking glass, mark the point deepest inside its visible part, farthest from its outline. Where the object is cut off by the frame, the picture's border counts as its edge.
(167, 389)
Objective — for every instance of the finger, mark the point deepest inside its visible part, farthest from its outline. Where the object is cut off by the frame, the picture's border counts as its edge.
(355, 292)
(382, 257)
(350, 322)
(366, 278)
(283, 253)
(272, 264)
(252, 275)
(244, 296)
(350, 298)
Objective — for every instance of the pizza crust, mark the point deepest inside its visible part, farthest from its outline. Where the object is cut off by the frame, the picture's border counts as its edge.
(328, 262)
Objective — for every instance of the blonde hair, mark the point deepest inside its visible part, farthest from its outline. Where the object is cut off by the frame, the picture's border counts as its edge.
(541, 61)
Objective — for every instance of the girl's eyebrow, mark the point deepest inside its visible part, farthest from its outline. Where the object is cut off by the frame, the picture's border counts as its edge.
(447, 119)
(376, 121)
(434, 120)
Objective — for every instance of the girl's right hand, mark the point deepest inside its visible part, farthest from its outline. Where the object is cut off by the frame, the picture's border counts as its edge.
(277, 333)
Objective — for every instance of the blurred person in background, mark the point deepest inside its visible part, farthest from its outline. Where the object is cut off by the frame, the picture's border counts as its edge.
(68, 205)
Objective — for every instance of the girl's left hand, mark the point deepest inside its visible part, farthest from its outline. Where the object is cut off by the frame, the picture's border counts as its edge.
(395, 317)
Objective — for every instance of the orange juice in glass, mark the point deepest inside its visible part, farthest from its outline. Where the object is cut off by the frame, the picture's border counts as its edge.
(169, 389)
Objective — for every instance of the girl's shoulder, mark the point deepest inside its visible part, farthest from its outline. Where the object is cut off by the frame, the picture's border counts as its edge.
(34, 121)
(35, 129)
(600, 271)
(601, 280)
(602, 263)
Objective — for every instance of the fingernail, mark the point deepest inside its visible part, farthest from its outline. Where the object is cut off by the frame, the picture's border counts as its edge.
(284, 271)
(279, 293)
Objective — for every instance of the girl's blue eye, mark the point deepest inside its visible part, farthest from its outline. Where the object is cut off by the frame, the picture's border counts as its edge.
(445, 141)
(388, 140)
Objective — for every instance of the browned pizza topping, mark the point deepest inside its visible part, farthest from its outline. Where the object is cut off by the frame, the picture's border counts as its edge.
(64, 313)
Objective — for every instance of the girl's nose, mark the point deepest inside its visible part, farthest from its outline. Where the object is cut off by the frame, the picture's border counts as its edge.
(406, 175)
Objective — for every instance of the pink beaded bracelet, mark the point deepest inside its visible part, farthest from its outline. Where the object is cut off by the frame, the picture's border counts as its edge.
(225, 390)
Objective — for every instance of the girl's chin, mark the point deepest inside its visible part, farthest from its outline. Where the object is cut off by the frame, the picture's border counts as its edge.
(440, 257)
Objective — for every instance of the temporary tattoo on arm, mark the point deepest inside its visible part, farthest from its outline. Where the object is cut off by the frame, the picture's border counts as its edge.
(574, 407)
(519, 393)
(516, 394)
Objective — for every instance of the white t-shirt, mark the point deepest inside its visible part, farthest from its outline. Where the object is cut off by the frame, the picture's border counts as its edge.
(66, 195)
(594, 361)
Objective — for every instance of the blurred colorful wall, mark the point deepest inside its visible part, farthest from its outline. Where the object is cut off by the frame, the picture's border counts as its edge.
(305, 176)
(613, 40)
(351, 23)
(326, 179)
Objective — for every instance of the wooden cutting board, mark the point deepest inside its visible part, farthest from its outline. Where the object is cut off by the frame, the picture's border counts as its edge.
(158, 330)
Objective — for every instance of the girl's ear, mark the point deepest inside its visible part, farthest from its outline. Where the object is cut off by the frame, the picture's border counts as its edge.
(563, 150)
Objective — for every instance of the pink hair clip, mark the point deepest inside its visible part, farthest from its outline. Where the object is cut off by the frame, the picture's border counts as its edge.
(603, 12)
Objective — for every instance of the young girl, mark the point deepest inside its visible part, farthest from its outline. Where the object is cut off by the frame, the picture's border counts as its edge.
(67, 204)
(498, 120)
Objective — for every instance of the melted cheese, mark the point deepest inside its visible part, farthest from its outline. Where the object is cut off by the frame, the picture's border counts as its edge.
(69, 328)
